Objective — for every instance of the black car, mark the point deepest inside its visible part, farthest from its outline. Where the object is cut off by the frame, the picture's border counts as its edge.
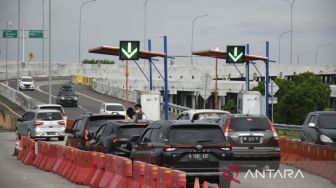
(66, 87)
(85, 125)
(114, 136)
(320, 128)
(253, 139)
(67, 98)
(198, 148)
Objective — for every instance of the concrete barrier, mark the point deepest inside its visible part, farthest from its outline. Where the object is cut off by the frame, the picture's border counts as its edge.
(18, 98)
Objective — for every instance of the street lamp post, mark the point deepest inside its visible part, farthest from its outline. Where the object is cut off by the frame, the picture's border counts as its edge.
(145, 25)
(317, 49)
(43, 37)
(80, 28)
(281, 35)
(192, 35)
(291, 2)
(299, 55)
(8, 24)
(49, 52)
(18, 54)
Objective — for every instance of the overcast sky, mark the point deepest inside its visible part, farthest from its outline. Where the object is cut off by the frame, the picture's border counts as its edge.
(105, 22)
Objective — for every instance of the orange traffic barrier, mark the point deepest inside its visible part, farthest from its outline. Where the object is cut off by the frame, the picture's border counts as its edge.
(87, 167)
(294, 153)
(29, 159)
(45, 158)
(305, 151)
(17, 148)
(138, 174)
(151, 176)
(52, 157)
(60, 158)
(164, 177)
(73, 173)
(100, 168)
(179, 179)
(24, 151)
(123, 173)
(285, 145)
(331, 170)
(68, 164)
(109, 171)
(39, 155)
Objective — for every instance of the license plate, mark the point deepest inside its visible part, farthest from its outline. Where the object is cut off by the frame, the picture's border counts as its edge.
(51, 133)
(198, 156)
(251, 139)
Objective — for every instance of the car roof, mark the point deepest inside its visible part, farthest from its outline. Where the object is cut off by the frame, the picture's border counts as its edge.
(117, 104)
(26, 77)
(129, 122)
(170, 123)
(45, 110)
(323, 112)
(199, 111)
(48, 105)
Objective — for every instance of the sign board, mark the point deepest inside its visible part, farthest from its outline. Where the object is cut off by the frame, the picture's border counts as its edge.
(206, 92)
(273, 88)
(35, 34)
(129, 50)
(235, 54)
(9, 34)
(31, 56)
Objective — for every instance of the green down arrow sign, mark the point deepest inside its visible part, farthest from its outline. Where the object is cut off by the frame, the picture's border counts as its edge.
(235, 54)
(129, 50)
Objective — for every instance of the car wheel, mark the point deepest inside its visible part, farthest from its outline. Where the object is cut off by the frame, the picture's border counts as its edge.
(61, 138)
(274, 165)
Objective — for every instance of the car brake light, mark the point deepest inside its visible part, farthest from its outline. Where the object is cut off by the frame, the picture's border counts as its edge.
(61, 122)
(115, 140)
(227, 128)
(38, 123)
(226, 147)
(275, 134)
(86, 136)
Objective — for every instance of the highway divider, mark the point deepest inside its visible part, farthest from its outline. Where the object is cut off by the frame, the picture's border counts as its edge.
(97, 169)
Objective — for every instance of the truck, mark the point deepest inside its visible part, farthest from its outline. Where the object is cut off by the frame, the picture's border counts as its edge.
(249, 103)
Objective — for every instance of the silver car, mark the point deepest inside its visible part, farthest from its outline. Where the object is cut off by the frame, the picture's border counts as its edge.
(42, 124)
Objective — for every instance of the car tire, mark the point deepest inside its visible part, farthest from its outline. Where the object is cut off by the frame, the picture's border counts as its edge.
(61, 138)
(274, 165)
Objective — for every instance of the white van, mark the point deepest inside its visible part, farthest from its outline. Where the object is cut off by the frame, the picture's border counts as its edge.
(111, 108)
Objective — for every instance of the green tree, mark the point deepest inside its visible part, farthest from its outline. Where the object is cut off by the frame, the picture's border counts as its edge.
(305, 93)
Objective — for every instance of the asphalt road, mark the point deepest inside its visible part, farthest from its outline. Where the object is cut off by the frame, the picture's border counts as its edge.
(89, 100)
(14, 174)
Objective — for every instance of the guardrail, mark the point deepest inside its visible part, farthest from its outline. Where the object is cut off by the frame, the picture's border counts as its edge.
(288, 127)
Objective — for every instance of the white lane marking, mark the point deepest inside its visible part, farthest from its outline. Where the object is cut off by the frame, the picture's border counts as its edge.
(11, 110)
(90, 97)
(39, 89)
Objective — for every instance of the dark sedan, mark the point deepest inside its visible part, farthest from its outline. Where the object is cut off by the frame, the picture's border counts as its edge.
(67, 98)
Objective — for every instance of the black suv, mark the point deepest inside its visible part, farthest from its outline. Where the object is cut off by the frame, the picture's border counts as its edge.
(85, 125)
(253, 139)
(114, 136)
(67, 98)
(198, 148)
(66, 87)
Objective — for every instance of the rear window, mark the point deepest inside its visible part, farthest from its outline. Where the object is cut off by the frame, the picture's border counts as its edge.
(328, 121)
(250, 124)
(129, 131)
(49, 116)
(196, 135)
(96, 122)
(114, 108)
(58, 108)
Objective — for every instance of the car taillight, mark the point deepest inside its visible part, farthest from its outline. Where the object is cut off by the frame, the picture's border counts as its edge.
(275, 134)
(61, 122)
(86, 136)
(168, 148)
(38, 123)
(115, 140)
(227, 128)
(226, 147)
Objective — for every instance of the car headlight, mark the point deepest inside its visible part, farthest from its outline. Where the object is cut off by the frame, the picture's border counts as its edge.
(325, 139)
(75, 98)
(62, 98)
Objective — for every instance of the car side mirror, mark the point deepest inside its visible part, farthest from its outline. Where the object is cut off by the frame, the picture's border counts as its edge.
(312, 125)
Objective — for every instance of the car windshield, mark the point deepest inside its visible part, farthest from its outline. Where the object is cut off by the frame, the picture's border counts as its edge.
(208, 116)
(249, 124)
(196, 135)
(66, 88)
(115, 108)
(58, 108)
(68, 93)
(27, 80)
(328, 121)
(49, 116)
(129, 131)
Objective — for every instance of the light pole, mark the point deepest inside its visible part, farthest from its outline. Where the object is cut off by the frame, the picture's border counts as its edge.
(317, 49)
(281, 35)
(192, 35)
(43, 37)
(49, 52)
(18, 54)
(8, 24)
(300, 54)
(291, 2)
(80, 28)
(145, 24)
